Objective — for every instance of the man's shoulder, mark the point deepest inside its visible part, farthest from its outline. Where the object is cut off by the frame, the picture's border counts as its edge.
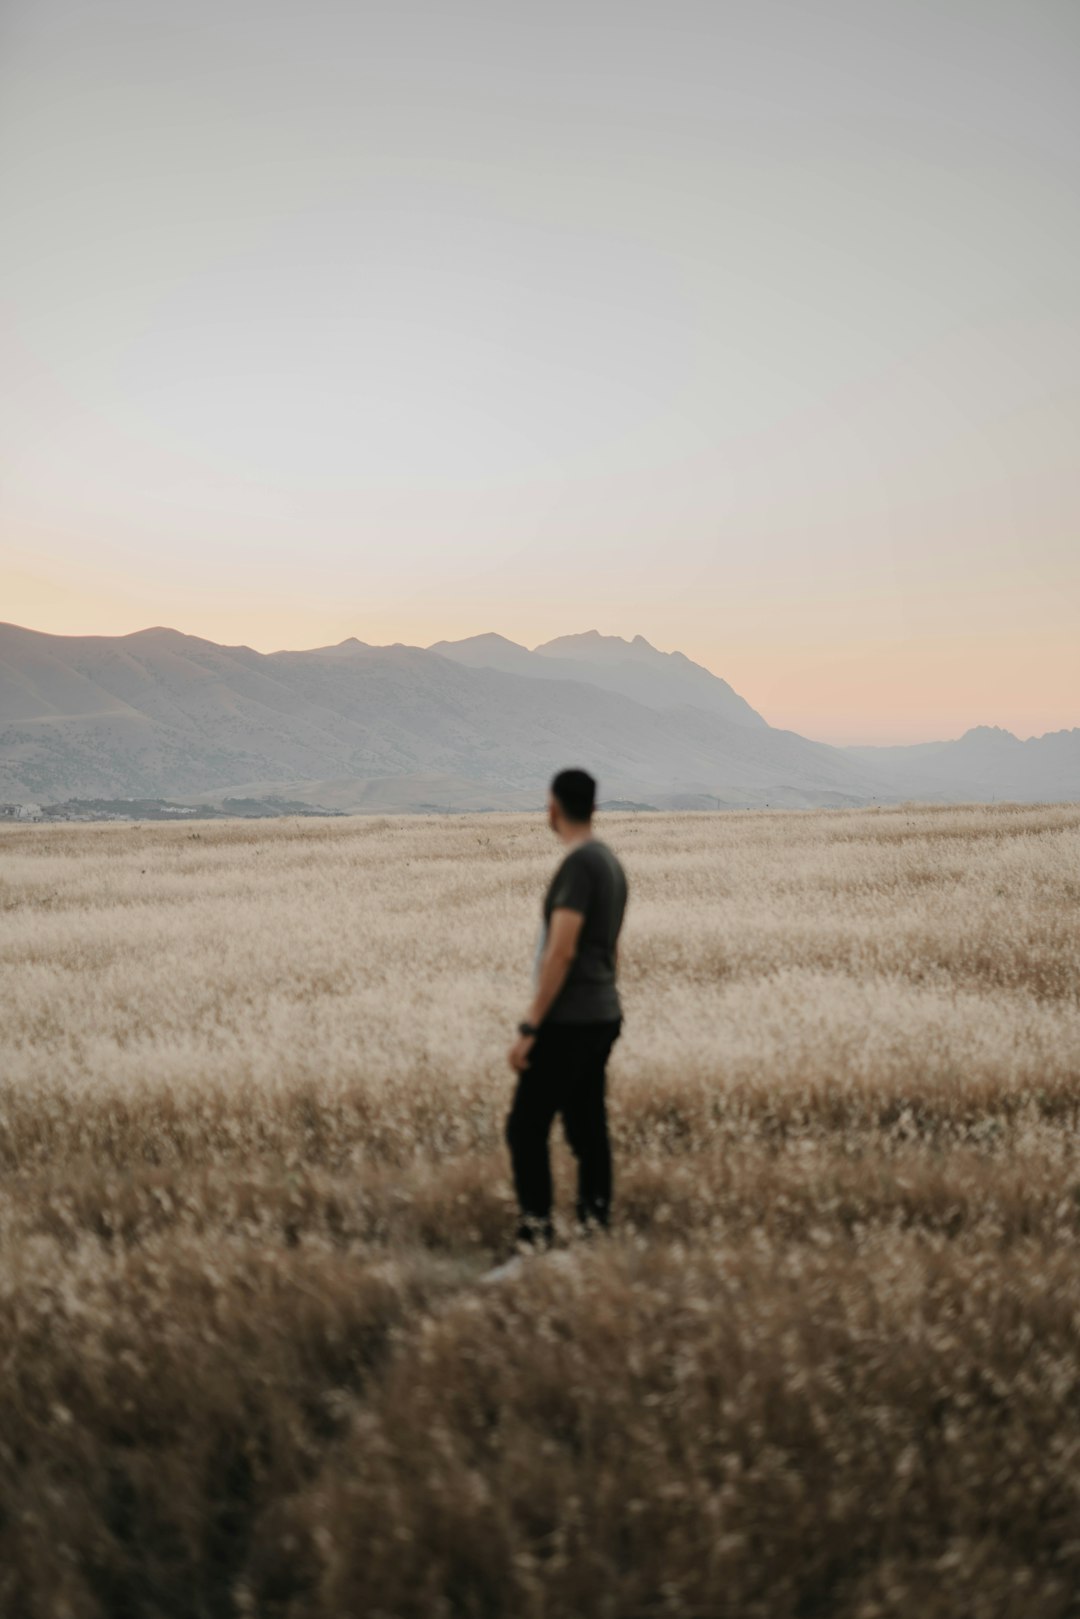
(597, 855)
(592, 856)
(588, 849)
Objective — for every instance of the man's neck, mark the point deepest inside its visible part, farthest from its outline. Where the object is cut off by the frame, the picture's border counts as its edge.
(579, 834)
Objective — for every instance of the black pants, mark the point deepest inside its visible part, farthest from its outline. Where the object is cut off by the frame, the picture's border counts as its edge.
(566, 1074)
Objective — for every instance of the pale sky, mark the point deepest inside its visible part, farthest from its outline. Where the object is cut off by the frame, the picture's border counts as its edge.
(753, 328)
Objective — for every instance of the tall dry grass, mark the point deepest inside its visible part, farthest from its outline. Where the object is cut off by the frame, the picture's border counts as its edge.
(252, 1171)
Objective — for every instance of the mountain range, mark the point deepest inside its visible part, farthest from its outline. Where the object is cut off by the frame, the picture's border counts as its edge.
(480, 723)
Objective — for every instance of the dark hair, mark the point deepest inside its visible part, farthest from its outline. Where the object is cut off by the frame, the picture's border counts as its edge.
(575, 791)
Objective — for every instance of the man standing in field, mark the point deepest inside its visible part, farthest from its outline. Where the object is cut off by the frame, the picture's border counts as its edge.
(563, 1045)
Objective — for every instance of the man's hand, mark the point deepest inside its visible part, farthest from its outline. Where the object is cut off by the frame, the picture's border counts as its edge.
(519, 1052)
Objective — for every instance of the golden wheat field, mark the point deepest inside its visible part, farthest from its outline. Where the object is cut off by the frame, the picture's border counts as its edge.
(252, 1172)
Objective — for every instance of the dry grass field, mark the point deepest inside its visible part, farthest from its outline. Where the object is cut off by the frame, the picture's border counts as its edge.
(252, 1171)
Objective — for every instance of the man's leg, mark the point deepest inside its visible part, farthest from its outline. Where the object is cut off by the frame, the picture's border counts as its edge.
(585, 1121)
(528, 1126)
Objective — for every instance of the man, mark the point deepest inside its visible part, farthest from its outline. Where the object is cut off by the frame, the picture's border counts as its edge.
(563, 1045)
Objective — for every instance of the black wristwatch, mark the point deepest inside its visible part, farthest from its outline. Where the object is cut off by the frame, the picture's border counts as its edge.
(529, 1028)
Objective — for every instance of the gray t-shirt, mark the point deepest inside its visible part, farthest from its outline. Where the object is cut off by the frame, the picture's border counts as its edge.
(592, 881)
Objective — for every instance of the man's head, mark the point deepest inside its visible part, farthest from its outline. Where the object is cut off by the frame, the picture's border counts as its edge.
(571, 800)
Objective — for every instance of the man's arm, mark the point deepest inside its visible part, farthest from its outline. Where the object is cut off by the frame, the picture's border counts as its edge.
(564, 930)
(563, 933)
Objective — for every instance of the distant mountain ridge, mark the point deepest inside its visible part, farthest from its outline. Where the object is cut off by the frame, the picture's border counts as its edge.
(633, 668)
(474, 724)
(986, 762)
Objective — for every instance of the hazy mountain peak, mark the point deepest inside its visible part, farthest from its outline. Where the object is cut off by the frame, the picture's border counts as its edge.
(591, 644)
(988, 733)
(163, 635)
(341, 649)
(487, 651)
(636, 669)
(489, 638)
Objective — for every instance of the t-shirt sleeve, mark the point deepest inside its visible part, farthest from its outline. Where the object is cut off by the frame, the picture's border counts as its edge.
(573, 887)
